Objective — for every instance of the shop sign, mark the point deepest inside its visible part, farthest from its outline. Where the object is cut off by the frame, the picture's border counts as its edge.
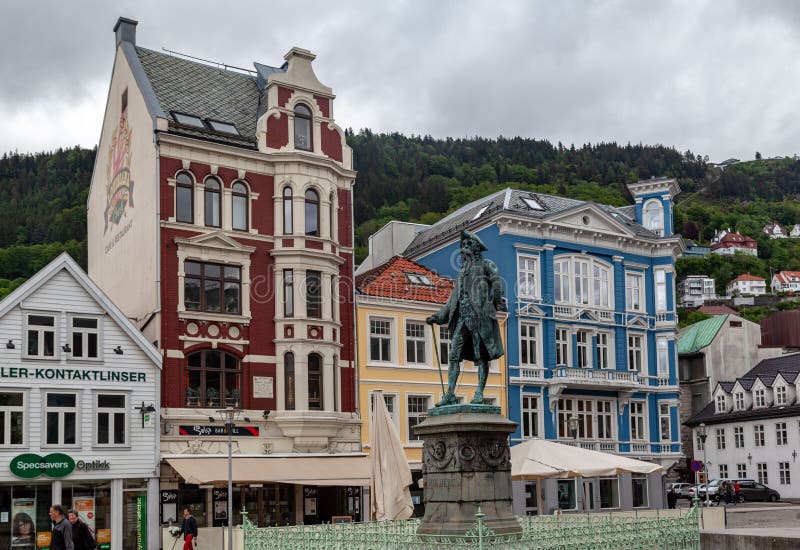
(90, 375)
(30, 465)
(141, 522)
(240, 431)
(103, 539)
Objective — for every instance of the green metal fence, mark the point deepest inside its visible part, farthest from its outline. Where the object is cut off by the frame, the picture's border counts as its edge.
(566, 532)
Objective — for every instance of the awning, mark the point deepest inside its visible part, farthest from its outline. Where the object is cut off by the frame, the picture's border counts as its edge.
(301, 470)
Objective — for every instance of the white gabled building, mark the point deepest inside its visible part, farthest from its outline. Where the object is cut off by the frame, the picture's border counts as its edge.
(746, 284)
(752, 427)
(786, 281)
(79, 391)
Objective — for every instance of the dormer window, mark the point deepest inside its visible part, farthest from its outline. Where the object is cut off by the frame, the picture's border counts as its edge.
(302, 128)
(721, 403)
(760, 397)
(654, 216)
(780, 395)
(738, 398)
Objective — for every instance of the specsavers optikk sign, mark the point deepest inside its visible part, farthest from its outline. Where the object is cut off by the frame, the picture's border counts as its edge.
(72, 374)
(30, 465)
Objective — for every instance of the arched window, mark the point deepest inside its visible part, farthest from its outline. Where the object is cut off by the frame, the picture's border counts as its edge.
(287, 210)
(184, 198)
(654, 216)
(302, 128)
(331, 218)
(288, 381)
(312, 213)
(314, 382)
(239, 206)
(212, 379)
(212, 202)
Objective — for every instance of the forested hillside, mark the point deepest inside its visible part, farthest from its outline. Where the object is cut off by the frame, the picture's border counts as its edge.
(43, 206)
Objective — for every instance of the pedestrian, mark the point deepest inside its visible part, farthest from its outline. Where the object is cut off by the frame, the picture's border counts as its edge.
(737, 492)
(672, 498)
(62, 530)
(189, 529)
(82, 536)
(728, 492)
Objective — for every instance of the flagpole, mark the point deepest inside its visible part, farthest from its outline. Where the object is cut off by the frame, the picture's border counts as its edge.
(438, 362)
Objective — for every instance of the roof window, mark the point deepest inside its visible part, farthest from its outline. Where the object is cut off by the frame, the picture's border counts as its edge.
(480, 212)
(418, 279)
(219, 126)
(532, 203)
(189, 120)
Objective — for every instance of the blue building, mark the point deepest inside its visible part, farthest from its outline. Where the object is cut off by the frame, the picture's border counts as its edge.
(591, 333)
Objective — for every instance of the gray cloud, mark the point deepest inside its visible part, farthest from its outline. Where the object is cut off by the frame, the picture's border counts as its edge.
(717, 78)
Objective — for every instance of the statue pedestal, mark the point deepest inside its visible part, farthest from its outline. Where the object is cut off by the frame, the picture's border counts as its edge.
(466, 464)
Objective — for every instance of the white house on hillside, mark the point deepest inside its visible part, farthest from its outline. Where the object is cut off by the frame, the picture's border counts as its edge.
(786, 281)
(747, 284)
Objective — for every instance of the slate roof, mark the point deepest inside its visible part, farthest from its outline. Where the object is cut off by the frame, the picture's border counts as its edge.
(708, 416)
(699, 335)
(390, 280)
(514, 201)
(205, 91)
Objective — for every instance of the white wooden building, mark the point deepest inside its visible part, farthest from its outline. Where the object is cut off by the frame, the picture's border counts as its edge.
(79, 406)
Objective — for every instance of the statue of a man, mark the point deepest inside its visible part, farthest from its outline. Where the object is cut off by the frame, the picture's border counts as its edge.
(470, 313)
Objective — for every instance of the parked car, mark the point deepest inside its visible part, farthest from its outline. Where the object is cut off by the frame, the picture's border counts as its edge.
(752, 490)
(682, 489)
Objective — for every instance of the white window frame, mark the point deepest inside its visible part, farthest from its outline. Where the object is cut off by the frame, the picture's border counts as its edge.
(784, 473)
(660, 290)
(414, 342)
(639, 415)
(662, 355)
(721, 405)
(762, 473)
(531, 414)
(389, 337)
(112, 412)
(6, 419)
(738, 437)
(528, 279)
(758, 435)
(41, 330)
(720, 436)
(664, 416)
(781, 395)
(605, 350)
(412, 440)
(741, 470)
(781, 434)
(605, 415)
(636, 290)
(641, 352)
(584, 282)
(445, 343)
(723, 471)
(529, 342)
(760, 398)
(574, 483)
(84, 332)
(62, 412)
(563, 347)
(738, 401)
(583, 340)
(394, 414)
(653, 216)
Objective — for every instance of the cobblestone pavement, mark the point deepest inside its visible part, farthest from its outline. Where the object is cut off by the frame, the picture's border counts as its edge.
(757, 515)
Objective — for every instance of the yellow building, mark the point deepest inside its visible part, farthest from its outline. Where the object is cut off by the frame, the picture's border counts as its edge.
(397, 353)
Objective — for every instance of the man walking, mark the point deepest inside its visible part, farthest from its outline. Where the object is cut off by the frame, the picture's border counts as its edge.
(189, 529)
(82, 537)
(62, 530)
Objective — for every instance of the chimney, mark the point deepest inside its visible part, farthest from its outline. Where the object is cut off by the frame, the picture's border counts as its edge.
(125, 30)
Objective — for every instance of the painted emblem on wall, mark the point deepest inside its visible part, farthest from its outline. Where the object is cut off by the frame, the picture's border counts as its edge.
(119, 189)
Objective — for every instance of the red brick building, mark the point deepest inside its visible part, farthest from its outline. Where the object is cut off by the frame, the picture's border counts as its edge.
(220, 222)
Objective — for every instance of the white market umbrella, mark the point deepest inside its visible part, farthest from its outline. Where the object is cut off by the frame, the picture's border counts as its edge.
(391, 476)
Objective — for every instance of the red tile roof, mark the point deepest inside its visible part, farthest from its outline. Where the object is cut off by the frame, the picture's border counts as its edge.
(391, 280)
(717, 310)
(735, 240)
(747, 277)
(788, 276)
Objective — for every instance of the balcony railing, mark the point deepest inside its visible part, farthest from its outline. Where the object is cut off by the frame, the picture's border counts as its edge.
(613, 446)
(597, 377)
(529, 374)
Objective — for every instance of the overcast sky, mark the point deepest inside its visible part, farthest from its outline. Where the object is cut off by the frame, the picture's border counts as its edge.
(720, 78)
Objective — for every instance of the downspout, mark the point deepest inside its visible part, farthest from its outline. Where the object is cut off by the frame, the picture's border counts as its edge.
(352, 295)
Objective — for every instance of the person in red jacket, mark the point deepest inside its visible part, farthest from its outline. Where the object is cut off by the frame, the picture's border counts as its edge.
(737, 492)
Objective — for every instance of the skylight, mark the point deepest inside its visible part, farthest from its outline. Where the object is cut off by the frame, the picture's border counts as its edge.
(532, 203)
(418, 279)
(480, 212)
(226, 127)
(189, 120)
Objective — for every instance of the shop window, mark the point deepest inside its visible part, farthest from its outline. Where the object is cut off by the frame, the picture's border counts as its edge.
(239, 199)
(639, 489)
(314, 294)
(112, 419)
(312, 213)
(302, 128)
(184, 198)
(609, 492)
(213, 288)
(40, 335)
(12, 419)
(212, 199)
(566, 494)
(315, 382)
(85, 337)
(212, 379)
(288, 210)
(61, 415)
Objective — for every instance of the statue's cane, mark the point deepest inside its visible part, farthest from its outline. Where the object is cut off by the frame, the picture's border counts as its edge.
(438, 363)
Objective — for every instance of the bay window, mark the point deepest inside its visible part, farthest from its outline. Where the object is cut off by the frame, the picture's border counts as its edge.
(212, 378)
(661, 290)
(588, 278)
(662, 347)
(314, 294)
(315, 402)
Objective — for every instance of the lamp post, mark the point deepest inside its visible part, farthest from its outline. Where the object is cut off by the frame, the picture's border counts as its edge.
(703, 434)
(229, 415)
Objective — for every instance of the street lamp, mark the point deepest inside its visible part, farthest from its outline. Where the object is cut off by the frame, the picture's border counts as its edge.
(703, 434)
(229, 415)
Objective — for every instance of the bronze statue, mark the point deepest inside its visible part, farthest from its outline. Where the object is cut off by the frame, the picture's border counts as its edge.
(470, 314)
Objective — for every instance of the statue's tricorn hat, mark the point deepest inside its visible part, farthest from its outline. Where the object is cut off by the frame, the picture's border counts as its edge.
(469, 236)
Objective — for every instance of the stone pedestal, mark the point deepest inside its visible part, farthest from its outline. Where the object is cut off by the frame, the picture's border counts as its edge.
(466, 464)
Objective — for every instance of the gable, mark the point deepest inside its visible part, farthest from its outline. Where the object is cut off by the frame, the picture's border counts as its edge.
(215, 241)
(62, 292)
(598, 220)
